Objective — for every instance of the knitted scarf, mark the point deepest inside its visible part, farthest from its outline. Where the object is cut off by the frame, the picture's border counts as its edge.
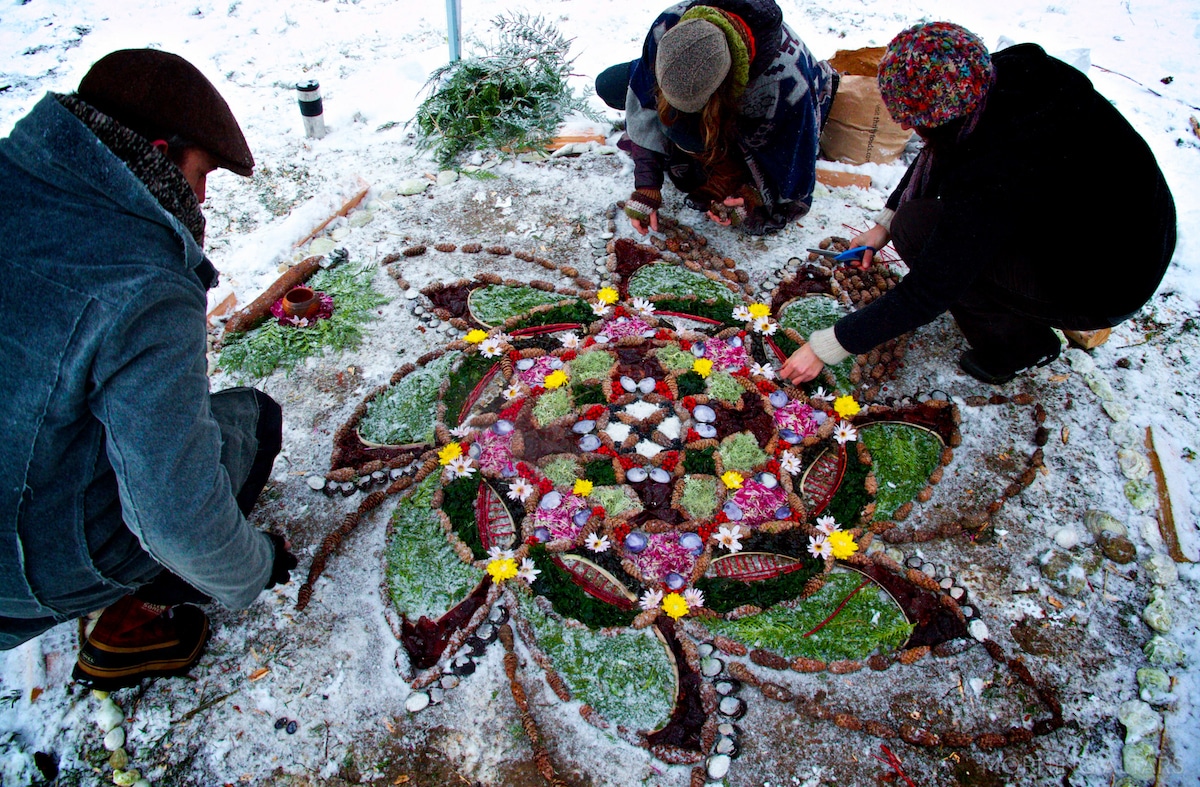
(158, 173)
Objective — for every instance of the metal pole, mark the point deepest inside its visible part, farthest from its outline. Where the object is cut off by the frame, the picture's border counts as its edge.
(454, 28)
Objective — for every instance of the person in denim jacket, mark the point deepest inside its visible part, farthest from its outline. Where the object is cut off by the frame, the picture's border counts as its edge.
(125, 483)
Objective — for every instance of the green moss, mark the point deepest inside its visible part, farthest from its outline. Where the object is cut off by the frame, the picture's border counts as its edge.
(577, 312)
(627, 677)
(585, 394)
(724, 387)
(494, 304)
(701, 462)
(406, 411)
(562, 471)
(805, 315)
(673, 356)
(690, 384)
(600, 473)
(851, 495)
(740, 452)
(462, 382)
(719, 310)
(699, 497)
(458, 502)
(569, 599)
(904, 456)
(552, 405)
(723, 595)
(615, 499)
(663, 279)
(424, 576)
(869, 622)
(591, 365)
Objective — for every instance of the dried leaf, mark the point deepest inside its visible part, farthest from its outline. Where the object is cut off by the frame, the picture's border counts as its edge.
(259, 673)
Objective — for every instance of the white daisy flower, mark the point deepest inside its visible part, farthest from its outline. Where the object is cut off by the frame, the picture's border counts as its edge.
(742, 313)
(730, 537)
(528, 570)
(502, 337)
(599, 309)
(513, 391)
(826, 524)
(499, 553)
(790, 464)
(460, 466)
(651, 599)
(694, 597)
(642, 306)
(597, 543)
(461, 431)
(765, 325)
(764, 370)
(491, 347)
(844, 432)
(819, 547)
(520, 489)
(570, 340)
(821, 395)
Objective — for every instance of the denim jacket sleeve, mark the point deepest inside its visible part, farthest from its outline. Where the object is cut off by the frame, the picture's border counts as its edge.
(151, 393)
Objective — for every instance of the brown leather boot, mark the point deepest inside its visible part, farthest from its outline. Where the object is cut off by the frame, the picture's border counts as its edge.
(134, 640)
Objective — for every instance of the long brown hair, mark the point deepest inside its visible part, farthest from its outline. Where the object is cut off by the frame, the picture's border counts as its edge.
(717, 120)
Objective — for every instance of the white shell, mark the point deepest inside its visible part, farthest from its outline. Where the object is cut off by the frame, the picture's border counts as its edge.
(316, 483)
(711, 667)
(718, 766)
(109, 715)
(114, 739)
(628, 384)
(978, 629)
(646, 385)
(417, 701)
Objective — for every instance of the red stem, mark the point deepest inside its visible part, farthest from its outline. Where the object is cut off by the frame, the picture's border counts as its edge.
(893, 762)
(840, 607)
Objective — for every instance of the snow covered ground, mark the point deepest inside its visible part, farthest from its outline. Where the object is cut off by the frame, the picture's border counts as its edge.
(332, 668)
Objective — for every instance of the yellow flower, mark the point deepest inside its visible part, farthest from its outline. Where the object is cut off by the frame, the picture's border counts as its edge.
(759, 310)
(846, 406)
(675, 606)
(583, 488)
(502, 568)
(448, 454)
(702, 367)
(556, 379)
(733, 479)
(475, 336)
(607, 295)
(843, 544)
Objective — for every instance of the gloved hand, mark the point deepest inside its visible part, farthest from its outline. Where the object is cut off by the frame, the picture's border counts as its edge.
(283, 564)
(642, 209)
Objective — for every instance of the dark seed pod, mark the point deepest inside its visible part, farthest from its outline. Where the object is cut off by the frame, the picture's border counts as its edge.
(292, 726)
(281, 722)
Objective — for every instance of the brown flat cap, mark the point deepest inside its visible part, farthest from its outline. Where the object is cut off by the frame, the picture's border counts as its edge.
(156, 92)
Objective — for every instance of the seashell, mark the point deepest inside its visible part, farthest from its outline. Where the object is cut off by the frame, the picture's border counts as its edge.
(462, 666)
(733, 511)
(767, 480)
(635, 542)
(783, 512)
(315, 482)
(503, 427)
(449, 681)
(728, 746)
(675, 581)
(929, 569)
(692, 542)
(581, 517)
(711, 667)
(487, 632)
(731, 707)
(417, 701)
(718, 766)
(705, 649)
(646, 385)
(659, 476)
(556, 363)
(114, 739)
(478, 646)
(109, 715)
(704, 414)
(550, 500)
(698, 349)
(735, 341)
(542, 534)
(789, 436)
(636, 475)
(583, 427)
(525, 364)
(436, 695)
(729, 730)
(649, 333)
(589, 442)
(707, 431)
(499, 615)
(967, 610)
(508, 471)
(474, 451)
(819, 416)
(778, 399)
(728, 687)
(628, 384)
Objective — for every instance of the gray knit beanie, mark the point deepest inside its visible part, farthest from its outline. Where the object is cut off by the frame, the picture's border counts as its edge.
(693, 59)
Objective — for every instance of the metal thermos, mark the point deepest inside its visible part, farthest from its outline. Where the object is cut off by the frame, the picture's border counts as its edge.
(308, 95)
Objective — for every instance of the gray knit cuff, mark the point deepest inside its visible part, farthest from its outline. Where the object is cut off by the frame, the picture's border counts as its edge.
(884, 218)
(826, 346)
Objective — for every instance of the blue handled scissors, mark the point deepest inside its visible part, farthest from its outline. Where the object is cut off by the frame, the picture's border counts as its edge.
(850, 255)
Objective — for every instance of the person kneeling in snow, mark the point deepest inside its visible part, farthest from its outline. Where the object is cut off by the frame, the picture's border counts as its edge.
(125, 484)
(728, 102)
(1019, 152)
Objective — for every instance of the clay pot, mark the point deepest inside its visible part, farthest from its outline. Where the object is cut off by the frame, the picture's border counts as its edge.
(301, 303)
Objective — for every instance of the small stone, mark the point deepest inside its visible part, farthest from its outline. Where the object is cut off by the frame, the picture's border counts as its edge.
(1116, 411)
(711, 667)
(119, 759)
(1157, 615)
(978, 630)
(412, 187)
(412, 293)
(1140, 495)
(114, 738)
(446, 177)
(1066, 537)
(1161, 569)
(1079, 360)
(1118, 549)
(1063, 573)
(1134, 464)
(449, 681)
(143, 782)
(1140, 761)
(1140, 720)
(1162, 652)
(1154, 685)
(321, 246)
(281, 722)
(315, 482)
(109, 715)
(291, 727)
(417, 701)
(1100, 386)
(361, 219)
(1101, 522)
(126, 778)
(1124, 434)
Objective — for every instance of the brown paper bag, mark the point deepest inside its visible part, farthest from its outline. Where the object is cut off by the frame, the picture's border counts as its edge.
(859, 129)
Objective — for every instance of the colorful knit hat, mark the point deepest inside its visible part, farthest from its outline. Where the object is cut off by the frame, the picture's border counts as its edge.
(933, 73)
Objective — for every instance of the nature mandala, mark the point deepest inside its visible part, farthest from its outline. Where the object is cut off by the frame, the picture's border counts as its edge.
(619, 479)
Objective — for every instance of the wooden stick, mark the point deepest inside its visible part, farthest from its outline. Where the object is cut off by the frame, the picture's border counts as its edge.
(260, 308)
(350, 205)
(1166, 516)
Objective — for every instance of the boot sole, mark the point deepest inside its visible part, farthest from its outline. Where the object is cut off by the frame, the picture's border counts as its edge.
(121, 676)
